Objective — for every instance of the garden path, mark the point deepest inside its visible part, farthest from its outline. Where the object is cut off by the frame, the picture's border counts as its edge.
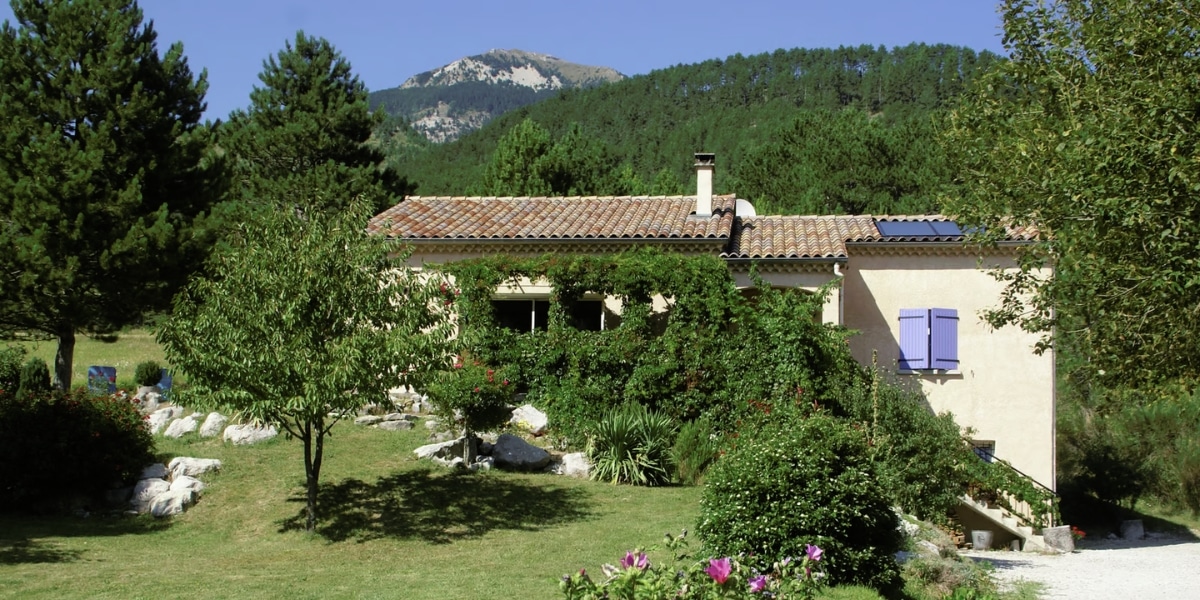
(1160, 566)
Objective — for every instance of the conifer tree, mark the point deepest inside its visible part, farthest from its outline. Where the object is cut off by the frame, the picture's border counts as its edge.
(102, 170)
(303, 140)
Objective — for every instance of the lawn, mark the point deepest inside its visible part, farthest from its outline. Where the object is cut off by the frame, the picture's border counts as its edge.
(125, 352)
(392, 527)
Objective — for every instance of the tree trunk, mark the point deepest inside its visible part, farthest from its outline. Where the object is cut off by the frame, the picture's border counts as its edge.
(312, 470)
(64, 359)
(468, 448)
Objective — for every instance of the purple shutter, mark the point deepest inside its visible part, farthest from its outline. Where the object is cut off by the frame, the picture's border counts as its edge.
(943, 339)
(914, 338)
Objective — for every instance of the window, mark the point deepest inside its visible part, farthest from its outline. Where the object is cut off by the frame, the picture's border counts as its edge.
(928, 339)
(534, 313)
(984, 450)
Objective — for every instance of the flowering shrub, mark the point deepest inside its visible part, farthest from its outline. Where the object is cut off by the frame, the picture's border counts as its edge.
(1077, 533)
(474, 396)
(57, 448)
(787, 482)
(727, 577)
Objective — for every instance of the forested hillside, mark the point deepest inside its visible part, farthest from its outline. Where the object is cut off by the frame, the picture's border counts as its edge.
(795, 131)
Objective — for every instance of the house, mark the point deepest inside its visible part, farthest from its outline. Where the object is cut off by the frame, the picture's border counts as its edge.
(909, 285)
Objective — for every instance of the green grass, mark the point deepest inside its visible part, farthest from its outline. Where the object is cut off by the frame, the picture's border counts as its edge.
(124, 353)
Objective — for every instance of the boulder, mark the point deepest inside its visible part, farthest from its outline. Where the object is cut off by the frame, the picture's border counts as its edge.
(575, 464)
(1059, 538)
(213, 425)
(183, 465)
(483, 463)
(1132, 530)
(243, 435)
(183, 482)
(155, 471)
(160, 417)
(484, 448)
(146, 491)
(180, 427)
(432, 423)
(513, 453)
(530, 419)
(445, 450)
(400, 417)
(395, 425)
(173, 502)
(368, 420)
(148, 397)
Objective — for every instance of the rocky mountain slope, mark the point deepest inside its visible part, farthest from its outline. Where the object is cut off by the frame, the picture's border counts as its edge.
(450, 101)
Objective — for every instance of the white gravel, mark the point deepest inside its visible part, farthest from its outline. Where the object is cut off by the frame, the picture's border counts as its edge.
(1160, 566)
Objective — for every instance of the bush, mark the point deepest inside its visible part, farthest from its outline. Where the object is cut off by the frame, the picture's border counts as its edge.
(35, 378)
(10, 369)
(695, 449)
(803, 480)
(57, 448)
(147, 373)
(632, 445)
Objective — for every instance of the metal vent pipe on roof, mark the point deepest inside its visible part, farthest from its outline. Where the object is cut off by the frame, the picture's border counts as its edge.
(706, 163)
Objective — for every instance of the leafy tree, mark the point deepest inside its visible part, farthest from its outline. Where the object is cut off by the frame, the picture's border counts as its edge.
(1089, 134)
(519, 166)
(305, 134)
(103, 174)
(302, 320)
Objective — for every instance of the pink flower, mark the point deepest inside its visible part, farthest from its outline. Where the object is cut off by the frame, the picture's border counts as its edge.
(813, 553)
(719, 569)
(639, 560)
(758, 584)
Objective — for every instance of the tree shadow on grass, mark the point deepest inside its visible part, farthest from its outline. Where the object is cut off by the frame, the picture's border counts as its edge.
(28, 539)
(439, 507)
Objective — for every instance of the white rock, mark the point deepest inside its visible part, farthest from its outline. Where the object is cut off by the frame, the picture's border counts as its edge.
(183, 482)
(160, 417)
(575, 464)
(146, 491)
(368, 420)
(184, 465)
(400, 417)
(179, 427)
(242, 435)
(213, 425)
(514, 453)
(483, 463)
(447, 449)
(173, 502)
(530, 419)
(395, 425)
(149, 397)
(155, 471)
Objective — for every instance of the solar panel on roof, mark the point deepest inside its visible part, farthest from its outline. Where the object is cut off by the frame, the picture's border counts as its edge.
(905, 229)
(946, 227)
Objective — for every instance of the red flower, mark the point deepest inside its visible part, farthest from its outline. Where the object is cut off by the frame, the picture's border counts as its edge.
(476, 390)
(490, 374)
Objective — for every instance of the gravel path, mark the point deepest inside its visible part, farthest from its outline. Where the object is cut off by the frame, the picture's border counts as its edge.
(1160, 566)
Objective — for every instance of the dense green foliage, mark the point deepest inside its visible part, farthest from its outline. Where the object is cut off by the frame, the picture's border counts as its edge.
(787, 482)
(303, 139)
(103, 174)
(738, 107)
(696, 447)
(62, 450)
(1088, 134)
(704, 357)
(631, 444)
(35, 378)
(147, 373)
(474, 397)
(301, 318)
(11, 358)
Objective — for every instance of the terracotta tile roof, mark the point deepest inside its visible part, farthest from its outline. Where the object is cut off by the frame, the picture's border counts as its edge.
(577, 218)
(799, 236)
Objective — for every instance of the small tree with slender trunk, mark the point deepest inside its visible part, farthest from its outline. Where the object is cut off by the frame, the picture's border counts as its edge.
(304, 319)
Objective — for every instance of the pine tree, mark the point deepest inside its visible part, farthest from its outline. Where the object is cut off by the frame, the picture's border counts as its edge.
(303, 140)
(102, 170)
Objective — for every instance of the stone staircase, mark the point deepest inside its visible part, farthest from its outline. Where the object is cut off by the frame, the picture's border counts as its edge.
(1003, 520)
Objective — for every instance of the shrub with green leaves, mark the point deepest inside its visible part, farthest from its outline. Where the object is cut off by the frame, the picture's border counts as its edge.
(632, 445)
(35, 378)
(59, 449)
(785, 482)
(10, 369)
(474, 396)
(696, 447)
(147, 373)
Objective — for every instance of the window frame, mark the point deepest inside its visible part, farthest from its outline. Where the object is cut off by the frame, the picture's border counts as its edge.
(928, 341)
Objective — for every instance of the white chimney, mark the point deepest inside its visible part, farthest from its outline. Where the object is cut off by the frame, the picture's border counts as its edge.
(705, 164)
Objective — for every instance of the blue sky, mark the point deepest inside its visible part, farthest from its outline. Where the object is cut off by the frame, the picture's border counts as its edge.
(389, 41)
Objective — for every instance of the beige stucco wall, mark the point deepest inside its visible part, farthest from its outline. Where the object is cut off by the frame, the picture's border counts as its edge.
(1003, 390)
